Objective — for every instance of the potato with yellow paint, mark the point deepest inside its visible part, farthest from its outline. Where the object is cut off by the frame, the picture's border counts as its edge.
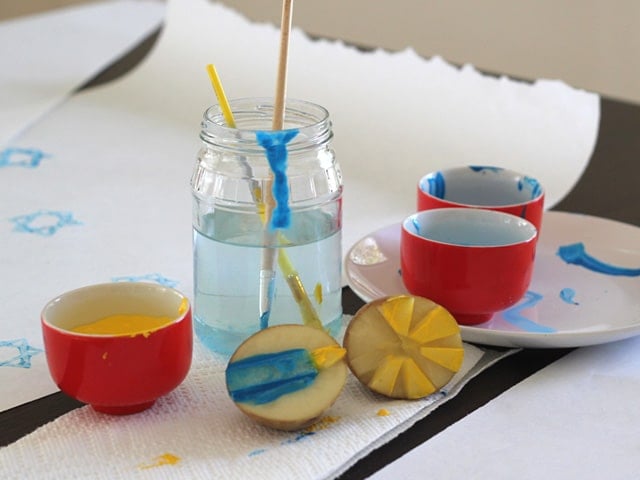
(403, 346)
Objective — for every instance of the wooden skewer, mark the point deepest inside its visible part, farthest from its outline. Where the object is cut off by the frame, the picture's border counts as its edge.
(267, 268)
(281, 82)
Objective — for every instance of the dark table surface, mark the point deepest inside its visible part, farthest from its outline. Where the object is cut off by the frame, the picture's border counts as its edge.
(608, 188)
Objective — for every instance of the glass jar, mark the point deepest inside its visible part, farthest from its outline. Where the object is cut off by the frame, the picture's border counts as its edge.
(267, 239)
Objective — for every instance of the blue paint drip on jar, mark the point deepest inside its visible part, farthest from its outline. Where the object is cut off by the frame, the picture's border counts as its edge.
(275, 145)
(576, 254)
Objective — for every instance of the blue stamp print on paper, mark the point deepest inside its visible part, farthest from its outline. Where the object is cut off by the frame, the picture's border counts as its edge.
(43, 222)
(150, 277)
(21, 157)
(24, 353)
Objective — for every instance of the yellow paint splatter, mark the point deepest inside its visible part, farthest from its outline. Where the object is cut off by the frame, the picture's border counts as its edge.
(324, 422)
(184, 306)
(105, 355)
(164, 459)
(383, 412)
(317, 293)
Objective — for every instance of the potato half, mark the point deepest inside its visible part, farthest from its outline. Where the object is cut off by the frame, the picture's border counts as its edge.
(404, 346)
(286, 376)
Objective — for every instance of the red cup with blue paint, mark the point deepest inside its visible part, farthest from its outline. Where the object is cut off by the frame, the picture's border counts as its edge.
(485, 187)
(473, 262)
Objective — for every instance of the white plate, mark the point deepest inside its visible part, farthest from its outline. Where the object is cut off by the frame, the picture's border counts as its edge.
(605, 307)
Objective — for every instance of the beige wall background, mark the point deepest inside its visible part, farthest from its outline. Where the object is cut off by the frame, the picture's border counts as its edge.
(590, 44)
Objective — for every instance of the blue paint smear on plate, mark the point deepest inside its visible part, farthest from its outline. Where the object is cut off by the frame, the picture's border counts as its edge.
(515, 317)
(576, 254)
(275, 145)
(568, 296)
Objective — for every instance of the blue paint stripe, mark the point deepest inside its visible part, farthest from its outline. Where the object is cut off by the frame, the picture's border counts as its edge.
(575, 254)
(275, 145)
(515, 317)
(437, 185)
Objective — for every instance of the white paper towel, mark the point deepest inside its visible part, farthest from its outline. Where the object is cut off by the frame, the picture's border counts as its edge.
(199, 428)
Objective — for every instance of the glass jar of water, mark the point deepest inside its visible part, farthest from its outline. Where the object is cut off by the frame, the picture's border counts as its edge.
(266, 223)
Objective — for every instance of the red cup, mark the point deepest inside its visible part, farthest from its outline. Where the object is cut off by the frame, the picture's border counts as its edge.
(118, 374)
(473, 262)
(490, 188)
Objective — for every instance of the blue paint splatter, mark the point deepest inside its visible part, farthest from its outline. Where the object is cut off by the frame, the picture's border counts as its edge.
(436, 185)
(480, 168)
(264, 318)
(533, 184)
(523, 212)
(514, 316)
(257, 452)
(150, 277)
(53, 221)
(261, 379)
(25, 352)
(567, 295)
(21, 157)
(416, 225)
(275, 145)
(576, 254)
(299, 436)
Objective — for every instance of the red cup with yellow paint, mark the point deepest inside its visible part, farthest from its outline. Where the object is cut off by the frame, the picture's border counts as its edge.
(118, 346)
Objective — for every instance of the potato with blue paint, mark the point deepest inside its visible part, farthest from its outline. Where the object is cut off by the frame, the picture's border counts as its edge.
(286, 376)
